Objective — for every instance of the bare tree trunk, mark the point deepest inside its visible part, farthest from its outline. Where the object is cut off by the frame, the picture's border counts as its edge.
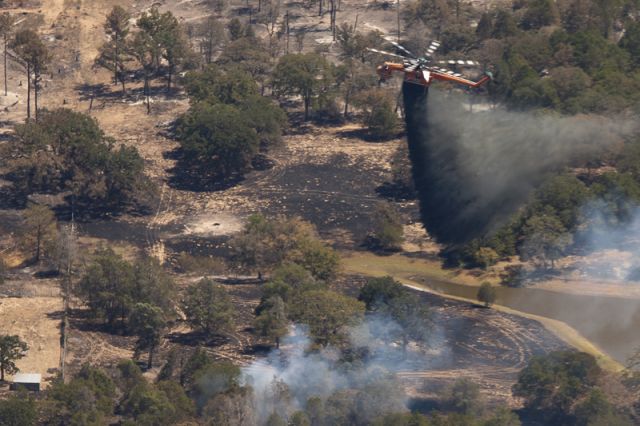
(36, 81)
(150, 363)
(146, 92)
(38, 241)
(115, 61)
(28, 91)
(5, 65)
(307, 101)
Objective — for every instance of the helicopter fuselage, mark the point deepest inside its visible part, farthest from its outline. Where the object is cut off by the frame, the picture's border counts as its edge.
(426, 75)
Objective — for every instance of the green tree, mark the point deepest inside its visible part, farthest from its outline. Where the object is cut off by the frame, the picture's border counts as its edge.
(413, 317)
(540, 13)
(11, 350)
(629, 42)
(272, 321)
(236, 87)
(142, 49)
(148, 405)
(306, 75)
(152, 285)
(175, 45)
(208, 307)
(566, 195)
(7, 23)
(266, 244)
(553, 383)
(236, 29)
(486, 294)
(485, 26)
(596, 410)
(111, 287)
(545, 239)
(35, 57)
(326, 313)
(249, 55)
(88, 398)
(464, 397)
(66, 150)
(388, 232)
(379, 113)
(106, 286)
(379, 292)
(504, 25)
(18, 410)
(212, 35)
(434, 13)
(288, 282)
(39, 229)
(113, 54)
(147, 322)
(485, 257)
(215, 378)
(217, 139)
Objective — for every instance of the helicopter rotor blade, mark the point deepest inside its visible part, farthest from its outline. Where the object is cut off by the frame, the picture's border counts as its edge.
(432, 48)
(402, 48)
(460, 62)
(383, 52)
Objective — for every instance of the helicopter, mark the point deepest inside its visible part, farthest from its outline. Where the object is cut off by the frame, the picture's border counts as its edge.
(424, 70)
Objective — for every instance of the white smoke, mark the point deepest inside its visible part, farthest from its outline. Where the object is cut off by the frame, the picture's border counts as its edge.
(321, 373)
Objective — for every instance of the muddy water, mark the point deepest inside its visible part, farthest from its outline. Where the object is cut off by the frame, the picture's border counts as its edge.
(612, 323)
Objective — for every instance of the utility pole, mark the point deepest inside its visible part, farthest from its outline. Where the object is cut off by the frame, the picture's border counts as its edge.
(398, 13)
(287, 29)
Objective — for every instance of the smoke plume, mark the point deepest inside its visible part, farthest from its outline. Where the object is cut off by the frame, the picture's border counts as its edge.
(473, 170)
(368, 372)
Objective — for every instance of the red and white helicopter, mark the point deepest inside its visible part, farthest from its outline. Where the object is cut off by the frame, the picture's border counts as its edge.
(423, 70)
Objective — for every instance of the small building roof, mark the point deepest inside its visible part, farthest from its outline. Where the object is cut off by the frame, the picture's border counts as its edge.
(27, 378)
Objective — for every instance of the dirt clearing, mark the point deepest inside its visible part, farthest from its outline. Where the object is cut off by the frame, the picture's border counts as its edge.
(37, 321)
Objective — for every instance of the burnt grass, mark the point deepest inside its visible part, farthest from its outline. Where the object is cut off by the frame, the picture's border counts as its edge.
(467, 341)
(337, 196)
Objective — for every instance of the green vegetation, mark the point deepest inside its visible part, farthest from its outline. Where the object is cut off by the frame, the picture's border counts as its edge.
(112, 288)
(67, 151)
(307, 75)
(272, 321)
(327, 313)
(18, 410)
(39, 230)
(266, 244)
(147, 322)
(11, 349)
(378, 111)
(487, 294)
(564, 388)
(227, 124)
(35, 57)
(208, 307)
(385, 296)
(113, 54)
(388, 231)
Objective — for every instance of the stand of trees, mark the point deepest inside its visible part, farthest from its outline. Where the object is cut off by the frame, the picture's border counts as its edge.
(266, 244)
(67, 152)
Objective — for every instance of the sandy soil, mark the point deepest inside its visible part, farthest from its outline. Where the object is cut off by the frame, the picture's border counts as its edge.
(37, 321)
